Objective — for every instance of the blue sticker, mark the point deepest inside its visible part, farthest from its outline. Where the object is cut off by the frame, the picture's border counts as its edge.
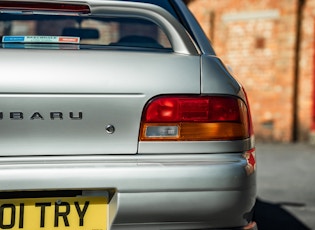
(13, 38)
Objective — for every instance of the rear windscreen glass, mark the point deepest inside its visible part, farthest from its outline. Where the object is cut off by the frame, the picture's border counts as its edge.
(83, 31)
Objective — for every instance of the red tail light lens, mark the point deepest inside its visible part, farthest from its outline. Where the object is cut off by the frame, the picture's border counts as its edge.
(48, 6)
(200, 109)
(191, 118)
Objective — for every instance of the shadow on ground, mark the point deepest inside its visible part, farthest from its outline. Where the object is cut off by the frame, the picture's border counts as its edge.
(271, 216)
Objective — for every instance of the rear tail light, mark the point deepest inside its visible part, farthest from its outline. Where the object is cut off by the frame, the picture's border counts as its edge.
(44, 6)
(195, 118)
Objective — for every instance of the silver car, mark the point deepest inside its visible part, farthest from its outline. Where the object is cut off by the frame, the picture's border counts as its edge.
(119, 115)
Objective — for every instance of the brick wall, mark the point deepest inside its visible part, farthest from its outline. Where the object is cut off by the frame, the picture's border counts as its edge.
(307, 80)
(258, 39)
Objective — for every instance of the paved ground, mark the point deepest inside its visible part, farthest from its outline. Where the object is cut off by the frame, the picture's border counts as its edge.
(286, 186)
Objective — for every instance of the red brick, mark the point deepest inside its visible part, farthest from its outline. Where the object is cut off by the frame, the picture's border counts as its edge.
(257, 39)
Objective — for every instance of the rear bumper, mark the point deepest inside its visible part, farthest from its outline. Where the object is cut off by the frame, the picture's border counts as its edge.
(153, 192)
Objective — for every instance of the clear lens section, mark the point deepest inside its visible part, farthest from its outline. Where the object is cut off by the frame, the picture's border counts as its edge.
(161, 131)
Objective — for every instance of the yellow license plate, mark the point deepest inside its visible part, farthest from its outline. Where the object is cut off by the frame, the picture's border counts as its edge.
(86, 213)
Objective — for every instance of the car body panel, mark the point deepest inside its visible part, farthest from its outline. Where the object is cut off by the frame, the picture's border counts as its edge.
(219, 179)
(212, 72)
(202, 41)
(107, 72)
(150, 147)
(127, 173)
(103, 93)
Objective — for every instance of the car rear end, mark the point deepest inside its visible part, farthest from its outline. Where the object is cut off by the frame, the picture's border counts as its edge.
(112, 117)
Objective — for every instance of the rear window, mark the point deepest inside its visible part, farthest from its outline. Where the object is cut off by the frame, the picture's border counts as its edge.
(25, 31)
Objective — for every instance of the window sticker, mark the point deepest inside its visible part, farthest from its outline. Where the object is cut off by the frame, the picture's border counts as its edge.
(41, 39)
